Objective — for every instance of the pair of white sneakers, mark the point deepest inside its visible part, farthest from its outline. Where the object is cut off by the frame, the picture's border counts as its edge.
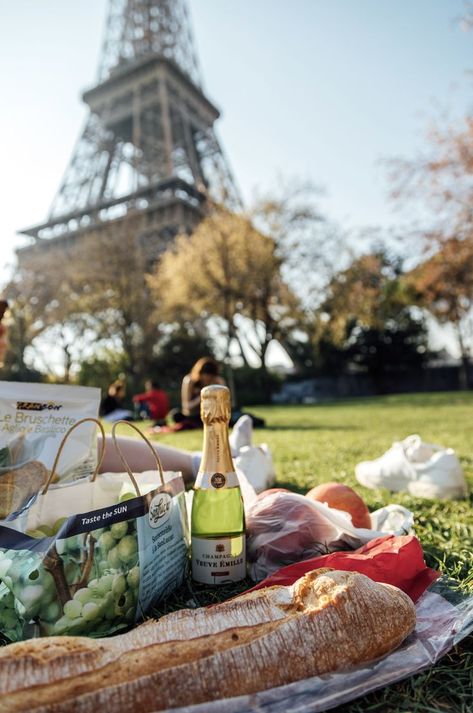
(425, 470)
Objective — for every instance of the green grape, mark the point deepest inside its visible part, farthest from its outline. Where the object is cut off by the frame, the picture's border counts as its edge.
(83, 595)
(103, 566)
(93, 585)
(96, 533)
(108, 601)
(119, 530)
(127, 548)
(119, 585)
(110, 612)
(106, 541)
(37, 534)
(104, 584)
(133, 577)
(90, 611)
(126, 496)
(47, 530)
(51, 612)
(58, 524)
(129, 599)
(114, 558)
(63, 624)
(73, 609)
(119, 608)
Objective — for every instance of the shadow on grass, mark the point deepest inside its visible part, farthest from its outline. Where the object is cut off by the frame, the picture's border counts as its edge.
(290, 485)
(427, 398)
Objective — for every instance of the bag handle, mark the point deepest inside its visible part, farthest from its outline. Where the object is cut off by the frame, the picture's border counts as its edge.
(124, 460)
(63, 443)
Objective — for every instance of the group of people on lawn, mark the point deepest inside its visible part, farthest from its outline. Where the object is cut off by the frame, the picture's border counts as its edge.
(154, 404)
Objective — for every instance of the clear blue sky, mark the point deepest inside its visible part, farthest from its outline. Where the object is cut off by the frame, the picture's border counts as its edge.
(320, 89)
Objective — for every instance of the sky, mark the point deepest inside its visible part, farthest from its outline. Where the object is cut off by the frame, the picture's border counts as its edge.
(321, 90)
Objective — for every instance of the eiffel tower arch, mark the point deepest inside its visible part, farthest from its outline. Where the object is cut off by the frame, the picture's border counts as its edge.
(149, 143)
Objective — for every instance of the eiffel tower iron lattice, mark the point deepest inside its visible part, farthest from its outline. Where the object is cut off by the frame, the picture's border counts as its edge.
(149, 142)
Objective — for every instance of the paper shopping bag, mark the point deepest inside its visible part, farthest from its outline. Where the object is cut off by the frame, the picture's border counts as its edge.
(92, 557)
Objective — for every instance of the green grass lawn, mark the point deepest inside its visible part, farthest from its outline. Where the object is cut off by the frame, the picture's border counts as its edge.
(313, 444)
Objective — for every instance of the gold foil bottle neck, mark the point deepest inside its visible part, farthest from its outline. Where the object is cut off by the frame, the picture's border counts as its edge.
(215, 404)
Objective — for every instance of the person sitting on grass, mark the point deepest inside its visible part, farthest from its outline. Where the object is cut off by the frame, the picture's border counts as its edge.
(153, 403)
(205, 372)
(112, 407)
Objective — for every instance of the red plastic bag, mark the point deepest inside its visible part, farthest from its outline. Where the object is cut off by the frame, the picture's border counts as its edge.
(397, 560)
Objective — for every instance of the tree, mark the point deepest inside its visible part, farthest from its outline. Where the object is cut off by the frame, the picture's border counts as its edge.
(101, 369)
(309, 246)
(92, 297)
(443, 177)
(109, 272)
(44, 310)
(27, 298)
(229, 271)
(367, 314)
(443, 284)
(176, 353)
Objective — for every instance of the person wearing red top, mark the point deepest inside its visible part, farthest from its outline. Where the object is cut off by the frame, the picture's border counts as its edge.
(154, 401)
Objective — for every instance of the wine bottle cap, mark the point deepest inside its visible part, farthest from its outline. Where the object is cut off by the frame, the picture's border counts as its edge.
(215, 404)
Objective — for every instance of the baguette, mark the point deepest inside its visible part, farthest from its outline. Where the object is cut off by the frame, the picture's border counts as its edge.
(328, 620)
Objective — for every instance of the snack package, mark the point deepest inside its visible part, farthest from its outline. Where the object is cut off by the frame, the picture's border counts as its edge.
(33, 421)
(93, 556)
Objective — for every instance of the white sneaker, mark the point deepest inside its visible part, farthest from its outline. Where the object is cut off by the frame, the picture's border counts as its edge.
(256, 463)
(241, 435)
(423, 469)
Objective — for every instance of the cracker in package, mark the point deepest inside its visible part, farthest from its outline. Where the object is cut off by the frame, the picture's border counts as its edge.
(33, 421)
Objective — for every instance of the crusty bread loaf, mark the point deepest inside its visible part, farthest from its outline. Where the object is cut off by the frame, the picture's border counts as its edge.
(327, 620)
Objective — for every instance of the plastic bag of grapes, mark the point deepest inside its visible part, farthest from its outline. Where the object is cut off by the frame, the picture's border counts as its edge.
(70, 569)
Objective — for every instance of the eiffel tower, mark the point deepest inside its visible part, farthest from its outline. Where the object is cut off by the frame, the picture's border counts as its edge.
(149, 143)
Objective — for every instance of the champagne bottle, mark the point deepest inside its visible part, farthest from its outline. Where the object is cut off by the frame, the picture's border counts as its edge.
(218, 519)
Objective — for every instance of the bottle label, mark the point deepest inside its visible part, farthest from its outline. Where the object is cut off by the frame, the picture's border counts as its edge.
(218, 560)
(216, 480)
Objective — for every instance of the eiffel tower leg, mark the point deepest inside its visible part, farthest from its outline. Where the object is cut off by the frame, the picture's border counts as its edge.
(222, 186)
(167, 129)
(84, 181)
(194, 162)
